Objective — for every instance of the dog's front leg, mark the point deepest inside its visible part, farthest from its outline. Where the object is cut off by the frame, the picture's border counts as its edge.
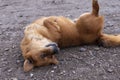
(51, 25)
(107, 40)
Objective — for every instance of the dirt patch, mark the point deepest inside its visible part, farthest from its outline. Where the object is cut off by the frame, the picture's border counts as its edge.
(77, 63)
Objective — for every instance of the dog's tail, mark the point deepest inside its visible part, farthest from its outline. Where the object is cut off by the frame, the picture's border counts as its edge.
(95, 7)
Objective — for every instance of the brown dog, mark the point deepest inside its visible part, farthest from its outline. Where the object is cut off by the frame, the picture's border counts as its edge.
(42, 36)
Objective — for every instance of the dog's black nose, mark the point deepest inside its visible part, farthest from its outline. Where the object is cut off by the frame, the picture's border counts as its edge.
(54, 46)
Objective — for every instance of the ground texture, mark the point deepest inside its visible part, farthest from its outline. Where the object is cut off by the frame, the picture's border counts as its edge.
(76, 63)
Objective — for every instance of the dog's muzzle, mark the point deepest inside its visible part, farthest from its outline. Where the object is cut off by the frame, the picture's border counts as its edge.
(54, 47)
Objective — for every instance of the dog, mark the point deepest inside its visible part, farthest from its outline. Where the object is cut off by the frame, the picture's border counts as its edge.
(45, 36)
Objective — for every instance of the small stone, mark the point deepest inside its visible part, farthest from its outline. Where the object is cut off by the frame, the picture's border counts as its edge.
(110, 70)
(96, 48)
(114, 55)
(110, 60)
(13, 46)
(5, 63)
(18, 61)
(90, 52)
(55, 67)
(63, 72)
(5, 53)
(31, 75)
(92, 64)
(82, 49)
(114, 15)
(52, 71)
(3, 59)
(81, 75)
(13, 79)
(6, 49)
(73, 72)
(10, 70)
(69, 15)
(105, 77)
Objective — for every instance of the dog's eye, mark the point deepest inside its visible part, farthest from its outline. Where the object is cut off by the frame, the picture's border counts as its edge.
(31, 61)
(43, 55)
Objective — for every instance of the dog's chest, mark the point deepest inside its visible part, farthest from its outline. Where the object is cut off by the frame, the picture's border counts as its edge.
(40, 42)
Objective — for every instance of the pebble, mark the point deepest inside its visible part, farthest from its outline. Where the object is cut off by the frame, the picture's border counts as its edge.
(6, 49)
(13, 79)
(73, 72)
(18, 61)
(55, 67)
(82, 49)
(90, 52)
(114, 15)
(92, 64)
(114, 55)
(110, 70)
(5, 53)
(105, 77)
(96, 48)
(10, 70)
(31, 75)
(69, 15)
(4, 63)
(3, 59)
(13, 46)
(52, 71)
(81, 75)
(63, 72)
(110, 60)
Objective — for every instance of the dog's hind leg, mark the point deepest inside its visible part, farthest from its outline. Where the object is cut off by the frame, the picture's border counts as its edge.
(107, 40)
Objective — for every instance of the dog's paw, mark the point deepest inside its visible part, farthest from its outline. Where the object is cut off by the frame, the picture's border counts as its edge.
(55, 61)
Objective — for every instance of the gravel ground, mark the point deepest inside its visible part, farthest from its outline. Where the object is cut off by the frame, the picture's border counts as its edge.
(76, 63)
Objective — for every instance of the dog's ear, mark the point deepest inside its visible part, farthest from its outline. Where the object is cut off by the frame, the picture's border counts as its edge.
(28, 65)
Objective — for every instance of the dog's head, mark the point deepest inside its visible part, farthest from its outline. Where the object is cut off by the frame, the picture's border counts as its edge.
(41, 57)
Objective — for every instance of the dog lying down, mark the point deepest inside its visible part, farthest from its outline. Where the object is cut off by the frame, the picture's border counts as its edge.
(45, 36)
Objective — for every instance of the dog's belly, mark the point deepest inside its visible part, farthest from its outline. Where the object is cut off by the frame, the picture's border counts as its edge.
(68, 31)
